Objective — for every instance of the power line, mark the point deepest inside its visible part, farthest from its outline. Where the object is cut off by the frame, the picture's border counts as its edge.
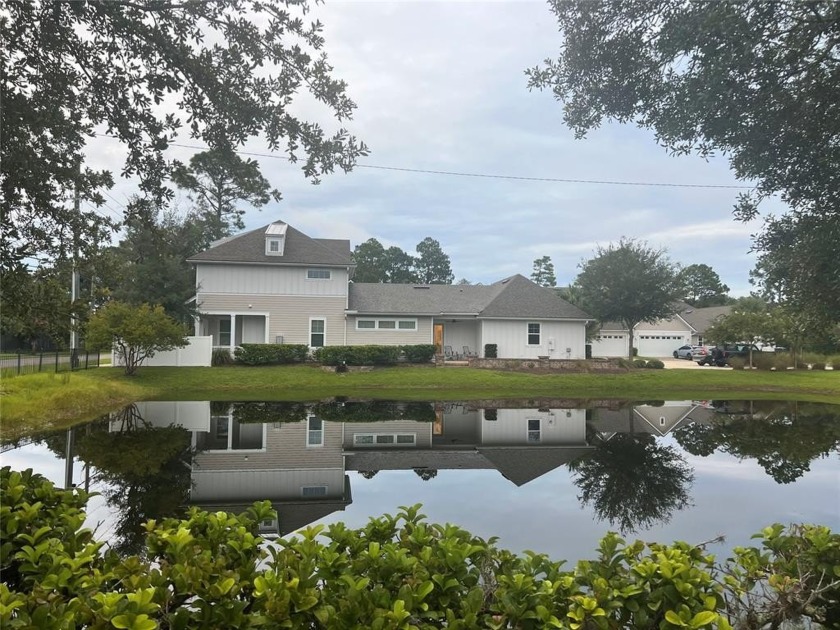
(561, 180)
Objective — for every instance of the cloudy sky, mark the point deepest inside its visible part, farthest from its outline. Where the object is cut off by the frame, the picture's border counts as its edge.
(441, 86)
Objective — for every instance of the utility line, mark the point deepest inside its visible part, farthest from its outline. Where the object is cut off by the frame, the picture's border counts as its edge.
(561, 180)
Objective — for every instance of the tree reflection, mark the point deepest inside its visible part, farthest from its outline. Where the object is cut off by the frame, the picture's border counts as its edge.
(632, 482)
(784, 438)
(146, 470)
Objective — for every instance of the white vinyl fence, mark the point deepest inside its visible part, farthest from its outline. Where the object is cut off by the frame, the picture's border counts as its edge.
(198, 353)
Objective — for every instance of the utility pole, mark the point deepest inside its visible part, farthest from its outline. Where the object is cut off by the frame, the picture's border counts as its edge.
(74, 281)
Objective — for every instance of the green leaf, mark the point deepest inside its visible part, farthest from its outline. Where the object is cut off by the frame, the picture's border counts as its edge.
(674, 618)
(703, 618)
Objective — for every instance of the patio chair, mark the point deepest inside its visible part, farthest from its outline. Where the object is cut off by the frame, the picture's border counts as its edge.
(469, 353)
(448, 353)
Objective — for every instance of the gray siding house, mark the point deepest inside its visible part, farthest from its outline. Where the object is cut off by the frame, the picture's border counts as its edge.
(278, 285)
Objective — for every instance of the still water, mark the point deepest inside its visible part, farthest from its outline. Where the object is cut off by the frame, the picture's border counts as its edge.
(551, 476)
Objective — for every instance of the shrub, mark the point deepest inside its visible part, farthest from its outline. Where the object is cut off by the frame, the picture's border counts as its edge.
(639, 363)
(419, 353)
(221, 356)
(655, 364)
(781, 360)
(490, 350)
(737, 363)
(271, 353)
(818, 365)
(212, 570)
(764, 360)
(635, 352)
(358, 355)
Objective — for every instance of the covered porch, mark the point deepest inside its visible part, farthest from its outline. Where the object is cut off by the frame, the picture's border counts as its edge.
(233, 329)
(457, 339)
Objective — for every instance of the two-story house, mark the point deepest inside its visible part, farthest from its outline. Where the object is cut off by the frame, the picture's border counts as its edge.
(278, 285)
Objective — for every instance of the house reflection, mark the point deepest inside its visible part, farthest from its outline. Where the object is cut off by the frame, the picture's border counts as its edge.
(297, 456)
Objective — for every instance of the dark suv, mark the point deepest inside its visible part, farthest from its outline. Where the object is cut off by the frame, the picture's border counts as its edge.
(721, 355)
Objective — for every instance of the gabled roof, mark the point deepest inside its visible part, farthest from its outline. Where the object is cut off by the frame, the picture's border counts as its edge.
(514, 297)
(299, 249)
(701, 319)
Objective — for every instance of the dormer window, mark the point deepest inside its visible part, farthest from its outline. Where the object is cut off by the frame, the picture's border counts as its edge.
(275, 239)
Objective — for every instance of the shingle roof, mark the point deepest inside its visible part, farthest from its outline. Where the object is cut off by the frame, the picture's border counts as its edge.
(702, 318)
(514, 297)
(299, 249)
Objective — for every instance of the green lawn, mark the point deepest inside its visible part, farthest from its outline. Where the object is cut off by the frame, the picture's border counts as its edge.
(30, 403)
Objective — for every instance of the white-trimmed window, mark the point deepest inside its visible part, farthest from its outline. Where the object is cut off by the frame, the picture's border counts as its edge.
(313, 491)
(314, 431)
(533, 429)
(317, 333)
(406, 325)
(533, 334)
(318, 274)
(274, 246)
(384, 439)
(224, 332)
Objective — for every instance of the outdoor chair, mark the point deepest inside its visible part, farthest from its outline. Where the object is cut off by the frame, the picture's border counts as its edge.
(448, 354)
(469, 353)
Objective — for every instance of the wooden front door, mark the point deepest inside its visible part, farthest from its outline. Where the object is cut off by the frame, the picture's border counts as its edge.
(438, 334)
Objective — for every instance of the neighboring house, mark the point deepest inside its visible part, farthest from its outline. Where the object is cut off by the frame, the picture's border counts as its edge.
(687, 327)
(278, 285)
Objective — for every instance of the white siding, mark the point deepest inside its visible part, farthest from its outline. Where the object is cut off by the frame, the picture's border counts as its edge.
(268, 280)
(255, 485)
(511, 337)
(557, 427)
(461, 333)
(423, 334)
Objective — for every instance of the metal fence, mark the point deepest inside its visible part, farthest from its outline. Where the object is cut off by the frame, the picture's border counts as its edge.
(66, 361)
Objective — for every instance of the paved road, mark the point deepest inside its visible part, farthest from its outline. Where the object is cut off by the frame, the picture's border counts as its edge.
(684, 364)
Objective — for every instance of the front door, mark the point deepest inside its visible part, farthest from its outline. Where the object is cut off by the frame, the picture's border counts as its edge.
(438, 334)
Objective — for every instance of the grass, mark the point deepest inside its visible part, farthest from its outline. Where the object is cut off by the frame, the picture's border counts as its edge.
(41, 401)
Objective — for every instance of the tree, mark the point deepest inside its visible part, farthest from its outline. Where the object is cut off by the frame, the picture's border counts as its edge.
(756, 81)
(217, 180)
(230, 70)
(136, 332)
(632, 482)
(701, 286)
(741, 326)
(628, 283)
(543, 273)
(37, 306)
(400, 266)
(371, 262)
(432, 264)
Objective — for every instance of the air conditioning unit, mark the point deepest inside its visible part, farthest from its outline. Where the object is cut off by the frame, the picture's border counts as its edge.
(278, 339)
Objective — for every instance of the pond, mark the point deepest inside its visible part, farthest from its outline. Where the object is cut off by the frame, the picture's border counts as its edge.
(552, 476)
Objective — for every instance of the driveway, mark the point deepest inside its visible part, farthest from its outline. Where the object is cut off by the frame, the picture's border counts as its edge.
(684, 364)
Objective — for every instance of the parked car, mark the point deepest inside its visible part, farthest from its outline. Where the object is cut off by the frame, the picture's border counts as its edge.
(699, 353)
(720, 356)
(684, 352)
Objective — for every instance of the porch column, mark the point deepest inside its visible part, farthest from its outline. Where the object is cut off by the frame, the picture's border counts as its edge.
(196, 326)
(232, 332)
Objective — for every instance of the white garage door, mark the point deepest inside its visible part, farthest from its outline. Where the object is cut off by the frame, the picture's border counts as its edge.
(610, 345)
(660, 344)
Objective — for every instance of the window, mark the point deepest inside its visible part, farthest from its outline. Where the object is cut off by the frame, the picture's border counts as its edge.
(274, 246)
(318, 274)
(317, 332)
(224, 332)
(533, 334)
(313, 491)
(387, 439)
(314, 431)
(534, 430)
(387, 324)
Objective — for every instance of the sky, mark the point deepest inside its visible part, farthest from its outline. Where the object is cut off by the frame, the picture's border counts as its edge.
(442, 86)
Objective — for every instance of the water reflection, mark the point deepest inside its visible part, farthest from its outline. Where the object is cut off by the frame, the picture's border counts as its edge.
(628, 462)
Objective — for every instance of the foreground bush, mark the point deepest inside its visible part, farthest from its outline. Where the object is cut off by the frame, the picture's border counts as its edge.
(270, 353)
(211, 570)
(358, 355)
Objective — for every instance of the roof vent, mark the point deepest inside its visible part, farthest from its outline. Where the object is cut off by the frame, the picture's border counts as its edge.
(421, 286)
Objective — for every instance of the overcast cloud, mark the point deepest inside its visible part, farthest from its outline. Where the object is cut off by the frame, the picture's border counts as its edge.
(441, 86)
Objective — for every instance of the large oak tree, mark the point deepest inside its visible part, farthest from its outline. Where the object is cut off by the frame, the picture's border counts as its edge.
(149, 72)
(756, 80)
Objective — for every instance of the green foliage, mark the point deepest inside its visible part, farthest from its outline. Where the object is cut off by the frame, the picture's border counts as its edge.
(655, 364)
(358, 355)
(262, 412)
(228, 71)
(374, 411)
(270, 353)
(491, 350)
(628, 283)
(211, 570)
(543, 273)
(640, 363)
(432, 265)
(134, 332)
(220, 357)
(701, 286)
(755, 81)
(376, 264)
(419, 353)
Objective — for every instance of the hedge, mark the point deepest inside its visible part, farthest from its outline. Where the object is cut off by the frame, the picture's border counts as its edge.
(419, 353)
(358, 355)
(270, 353)
(212, 570)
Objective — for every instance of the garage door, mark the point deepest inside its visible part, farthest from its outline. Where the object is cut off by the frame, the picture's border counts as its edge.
(610, 345)
(660, 344)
